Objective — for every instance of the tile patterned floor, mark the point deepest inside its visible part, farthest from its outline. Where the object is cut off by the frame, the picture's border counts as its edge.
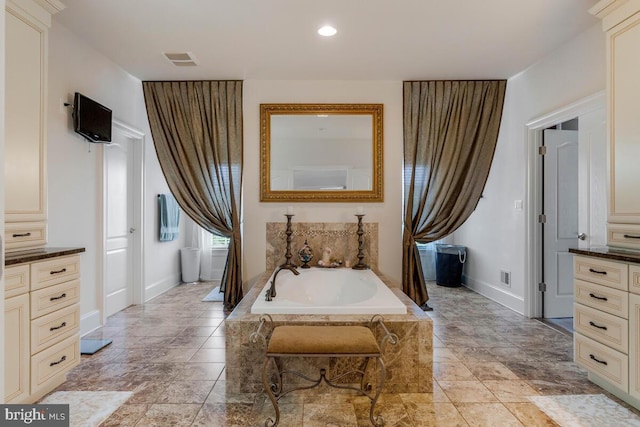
(487, 360)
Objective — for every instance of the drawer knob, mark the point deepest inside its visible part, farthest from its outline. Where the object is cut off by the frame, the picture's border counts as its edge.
(22, 235)
(57, 298)
(597, 326)
(592, 357)
(62, 359)
(597, 297)
(591, 270)
(54, 328)
(58, 271)
(630, 236)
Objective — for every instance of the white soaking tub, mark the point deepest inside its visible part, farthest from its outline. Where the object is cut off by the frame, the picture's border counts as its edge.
(329, 291)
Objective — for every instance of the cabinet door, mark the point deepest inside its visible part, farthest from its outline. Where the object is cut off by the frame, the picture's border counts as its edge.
(634, 345)
(624, 116)
(25, 157)
(16, 349)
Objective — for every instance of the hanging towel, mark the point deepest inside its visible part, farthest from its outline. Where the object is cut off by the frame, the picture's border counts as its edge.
(169, 217)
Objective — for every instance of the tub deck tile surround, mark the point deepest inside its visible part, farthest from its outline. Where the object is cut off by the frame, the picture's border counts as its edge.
(408, 364)
(340, 237)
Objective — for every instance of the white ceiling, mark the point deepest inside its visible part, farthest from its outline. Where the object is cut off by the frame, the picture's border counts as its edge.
(376, 40)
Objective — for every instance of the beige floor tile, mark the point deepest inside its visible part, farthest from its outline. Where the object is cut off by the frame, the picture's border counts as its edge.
(330, 415)
(491, 371)
(186, 392)
(224, 415)
(443, 354)
(467, 391)
(438, 394)
(214, 342)
(530, 415)
(219, 395)
(290, 415)
(455, 371)
(510, 390)
(187, 341)
(200, 371)
(438, 414)
(487, 415)
(208, 355)
(174, 415)
(126, 416)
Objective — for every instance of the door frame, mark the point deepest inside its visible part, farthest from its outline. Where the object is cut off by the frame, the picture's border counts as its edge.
(533, 194)
(137, 242)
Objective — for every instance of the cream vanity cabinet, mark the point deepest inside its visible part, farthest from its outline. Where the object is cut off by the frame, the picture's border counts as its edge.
(621, 21)
(42, 322)
(601, 325)
(26, 26)
(634, 330)
(607, 320)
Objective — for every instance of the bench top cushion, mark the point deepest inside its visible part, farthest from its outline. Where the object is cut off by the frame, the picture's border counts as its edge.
(307, 340)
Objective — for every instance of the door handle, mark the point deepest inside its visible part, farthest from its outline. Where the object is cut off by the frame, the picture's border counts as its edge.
(132, 230)
(582, 236)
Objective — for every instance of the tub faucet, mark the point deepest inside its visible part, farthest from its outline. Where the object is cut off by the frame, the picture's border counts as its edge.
(271, 292)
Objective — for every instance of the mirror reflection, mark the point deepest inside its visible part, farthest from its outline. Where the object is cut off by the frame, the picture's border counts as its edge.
(321, 152)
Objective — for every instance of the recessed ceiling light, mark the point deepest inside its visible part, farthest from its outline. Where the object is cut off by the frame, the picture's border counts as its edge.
(327, 31)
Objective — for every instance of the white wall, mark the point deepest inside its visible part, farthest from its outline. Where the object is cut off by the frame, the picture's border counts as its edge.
(2, 4)
(388, 214)
(74, 166)
(495, 232)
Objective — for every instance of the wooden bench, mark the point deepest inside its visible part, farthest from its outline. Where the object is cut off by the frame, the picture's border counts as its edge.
(324, 341)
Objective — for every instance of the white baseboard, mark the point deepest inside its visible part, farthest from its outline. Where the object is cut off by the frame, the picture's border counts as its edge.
(90, 322)
(497, 294)
(160, 287)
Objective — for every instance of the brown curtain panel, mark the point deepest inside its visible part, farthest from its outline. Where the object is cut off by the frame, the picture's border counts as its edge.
(197, 132)
(450, 135)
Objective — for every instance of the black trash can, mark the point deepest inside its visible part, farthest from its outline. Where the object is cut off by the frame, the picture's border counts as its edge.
(449, 262)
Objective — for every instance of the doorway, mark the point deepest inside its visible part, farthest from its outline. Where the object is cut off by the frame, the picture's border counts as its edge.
(578, 193)
(122, 231)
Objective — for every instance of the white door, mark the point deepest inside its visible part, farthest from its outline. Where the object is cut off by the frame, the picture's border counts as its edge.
(119, 217)
(593, 178)
(561, 226)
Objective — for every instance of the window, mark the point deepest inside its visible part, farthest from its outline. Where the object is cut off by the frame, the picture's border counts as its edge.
(219, 241)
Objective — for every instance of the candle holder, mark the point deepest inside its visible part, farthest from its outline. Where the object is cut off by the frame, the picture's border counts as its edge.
(360, 265)
(288, 264)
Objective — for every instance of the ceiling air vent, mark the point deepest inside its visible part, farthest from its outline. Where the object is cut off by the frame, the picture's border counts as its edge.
(181, 59)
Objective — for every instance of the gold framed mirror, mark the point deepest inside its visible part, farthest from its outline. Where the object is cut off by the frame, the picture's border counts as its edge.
(321, 153)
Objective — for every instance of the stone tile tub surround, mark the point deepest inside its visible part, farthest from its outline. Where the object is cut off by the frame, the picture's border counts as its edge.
(409, 364)
(341, 237)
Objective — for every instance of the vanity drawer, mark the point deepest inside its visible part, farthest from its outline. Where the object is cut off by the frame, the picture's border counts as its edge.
(24, 235)
(634, 278)
(47, 365)
(54, 271)
(603, 361)
(54, 327)
(597, 270)
(16, 280)
(605, 328)
(603, 298)
(47, 300)
(623, 235)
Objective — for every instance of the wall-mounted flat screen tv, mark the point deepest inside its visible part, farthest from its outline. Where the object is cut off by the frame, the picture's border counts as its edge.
(91, 119)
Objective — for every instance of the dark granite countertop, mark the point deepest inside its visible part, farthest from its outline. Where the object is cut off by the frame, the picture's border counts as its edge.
(615, 254)
(31, 255)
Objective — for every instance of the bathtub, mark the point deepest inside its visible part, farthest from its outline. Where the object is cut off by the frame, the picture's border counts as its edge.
(329, 291)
